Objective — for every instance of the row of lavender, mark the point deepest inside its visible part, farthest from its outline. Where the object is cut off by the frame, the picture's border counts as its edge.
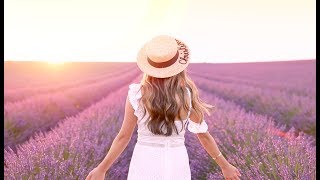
(286, 108)
(251, 142)
(24, 74)
(248, 141)
(291, 88)
(296, 76)
(74, 146)
(41, 112)
(13, 95)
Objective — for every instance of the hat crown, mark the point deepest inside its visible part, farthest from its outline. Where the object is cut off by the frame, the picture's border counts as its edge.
(161, 48)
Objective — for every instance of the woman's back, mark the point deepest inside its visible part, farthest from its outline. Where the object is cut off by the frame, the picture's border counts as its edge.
(144, 134)
(157, 156)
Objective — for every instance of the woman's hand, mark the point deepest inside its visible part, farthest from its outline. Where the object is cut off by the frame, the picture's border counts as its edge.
(230, 172)
(96, 174)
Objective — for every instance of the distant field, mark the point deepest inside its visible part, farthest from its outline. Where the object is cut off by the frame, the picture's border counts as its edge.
(60, 120)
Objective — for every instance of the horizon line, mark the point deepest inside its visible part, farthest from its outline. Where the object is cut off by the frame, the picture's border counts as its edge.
(135, 61)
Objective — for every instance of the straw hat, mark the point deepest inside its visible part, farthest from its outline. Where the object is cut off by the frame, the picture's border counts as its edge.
(163, 56)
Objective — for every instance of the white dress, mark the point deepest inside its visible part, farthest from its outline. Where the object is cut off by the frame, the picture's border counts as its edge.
(157, 157)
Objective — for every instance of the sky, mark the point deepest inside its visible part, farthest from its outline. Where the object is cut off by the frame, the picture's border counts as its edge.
(223, 31)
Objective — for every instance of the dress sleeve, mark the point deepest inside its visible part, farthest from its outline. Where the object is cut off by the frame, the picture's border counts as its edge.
(197, 127)
(134, 94)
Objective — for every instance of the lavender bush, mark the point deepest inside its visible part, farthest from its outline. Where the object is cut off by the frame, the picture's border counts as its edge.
(14, 95)
(249, 141)
(74, 146)
(298, 75)
(41, 112)
(282, 86)
(287, 109)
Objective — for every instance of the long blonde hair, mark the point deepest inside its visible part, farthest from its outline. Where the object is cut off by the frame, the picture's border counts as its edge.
(161, 97)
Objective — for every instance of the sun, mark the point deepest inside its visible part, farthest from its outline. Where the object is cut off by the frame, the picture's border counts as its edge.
(55, 62)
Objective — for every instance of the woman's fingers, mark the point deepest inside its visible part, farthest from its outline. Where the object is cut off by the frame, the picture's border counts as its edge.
(235, 177)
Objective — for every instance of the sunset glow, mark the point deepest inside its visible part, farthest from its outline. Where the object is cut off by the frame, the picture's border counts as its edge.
(55, 62)
(216, 31)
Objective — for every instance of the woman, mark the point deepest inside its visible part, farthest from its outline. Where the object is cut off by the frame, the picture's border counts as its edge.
(161, 105)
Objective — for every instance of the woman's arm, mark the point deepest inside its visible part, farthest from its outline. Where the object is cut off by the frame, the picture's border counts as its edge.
(122, 139)
(210, 145)
(117, 147)
(208, 142)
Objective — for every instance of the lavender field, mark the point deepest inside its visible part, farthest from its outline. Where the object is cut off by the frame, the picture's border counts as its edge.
(59, 122)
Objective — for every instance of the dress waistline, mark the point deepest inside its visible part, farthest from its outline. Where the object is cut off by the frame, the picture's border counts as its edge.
(166, 144)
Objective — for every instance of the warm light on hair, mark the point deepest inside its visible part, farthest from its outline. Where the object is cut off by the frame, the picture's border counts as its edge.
(162, 99)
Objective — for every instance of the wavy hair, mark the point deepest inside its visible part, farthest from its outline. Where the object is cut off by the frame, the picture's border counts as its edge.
(161, 98)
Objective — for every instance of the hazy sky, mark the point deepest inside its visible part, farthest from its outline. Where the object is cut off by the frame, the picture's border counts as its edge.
(104, 30)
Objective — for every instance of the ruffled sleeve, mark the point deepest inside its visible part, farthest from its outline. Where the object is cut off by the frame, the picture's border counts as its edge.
(134, 94)
(197, 127)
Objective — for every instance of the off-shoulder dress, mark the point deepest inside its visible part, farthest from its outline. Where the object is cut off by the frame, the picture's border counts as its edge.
(157, 157)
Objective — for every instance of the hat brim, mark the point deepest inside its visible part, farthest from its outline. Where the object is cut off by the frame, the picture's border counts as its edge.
(169, 71)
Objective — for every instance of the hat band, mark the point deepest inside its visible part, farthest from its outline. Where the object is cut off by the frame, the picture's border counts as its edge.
(164, 64)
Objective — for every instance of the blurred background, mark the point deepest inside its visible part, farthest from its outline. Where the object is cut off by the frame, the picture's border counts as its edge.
(103, 30)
